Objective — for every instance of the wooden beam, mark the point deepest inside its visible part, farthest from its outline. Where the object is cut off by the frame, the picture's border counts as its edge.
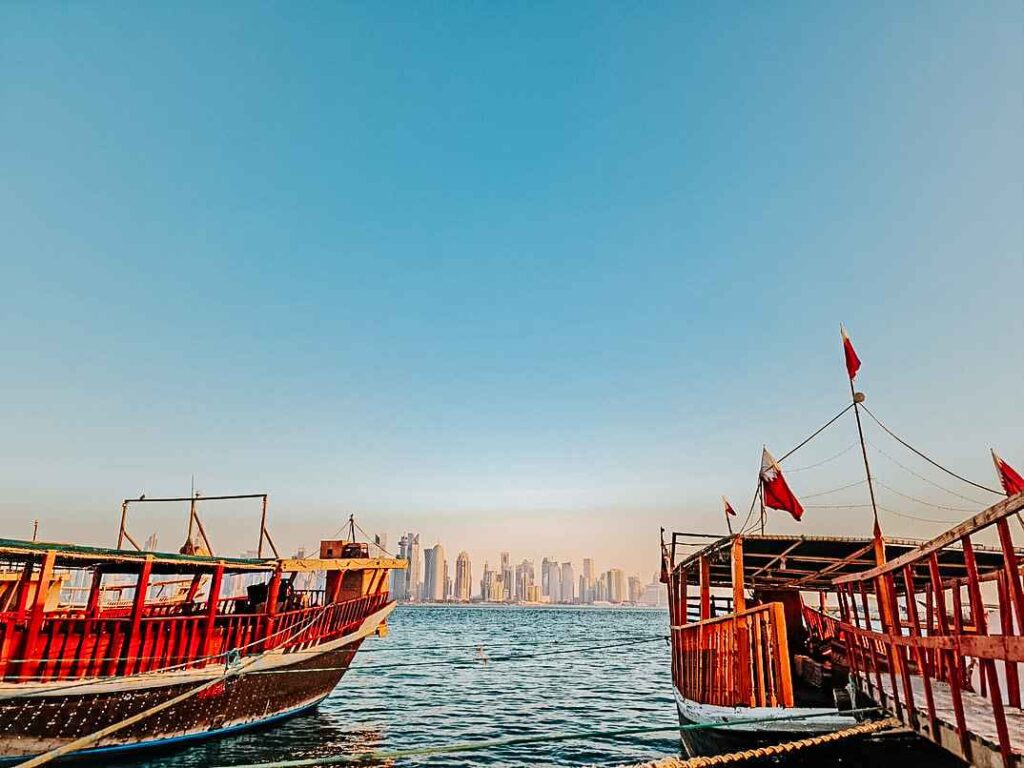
(739, 600)
(983, 519)
(705, 588)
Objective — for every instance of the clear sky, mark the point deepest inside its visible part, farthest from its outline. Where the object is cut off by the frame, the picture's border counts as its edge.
(536, 276)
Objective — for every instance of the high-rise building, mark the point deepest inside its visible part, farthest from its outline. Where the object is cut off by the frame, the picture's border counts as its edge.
(587, 590)
(380, 549)
(151, 543)
(636, 589)
(524, 580)
(433, 573)
(616, 585)
(545, 576)
(463, 578)
(568, 580)
(487, 586)
(554, 582)
(411, 577)
(507, 578)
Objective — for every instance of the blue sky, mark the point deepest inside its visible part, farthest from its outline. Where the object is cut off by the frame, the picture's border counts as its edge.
(544, 274)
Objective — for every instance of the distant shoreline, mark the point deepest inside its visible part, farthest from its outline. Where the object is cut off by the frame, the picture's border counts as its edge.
(545, 606)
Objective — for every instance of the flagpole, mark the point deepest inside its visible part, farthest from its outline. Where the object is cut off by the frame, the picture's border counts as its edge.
(760, 496)
(858, 398)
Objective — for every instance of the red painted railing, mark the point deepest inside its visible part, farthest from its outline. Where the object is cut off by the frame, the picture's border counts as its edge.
(738, 660)
(900, 657)
(69, 647)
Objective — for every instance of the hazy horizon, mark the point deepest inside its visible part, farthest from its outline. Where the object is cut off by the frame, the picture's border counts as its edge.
(537, 279)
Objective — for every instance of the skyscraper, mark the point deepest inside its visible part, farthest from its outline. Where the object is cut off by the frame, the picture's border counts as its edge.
(636, 589)
(409, 550)
(463, 578)
(487, 585)
(380, 549)
(524, 580)
(616, 585)
(507, 577)
(433, 573)
(568, 579)
(550, 579)
(587, 590)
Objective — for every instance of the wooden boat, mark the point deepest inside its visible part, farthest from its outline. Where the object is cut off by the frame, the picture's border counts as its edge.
(234, 643)
(776, 651)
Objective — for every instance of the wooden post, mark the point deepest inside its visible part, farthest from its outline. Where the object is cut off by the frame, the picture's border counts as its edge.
(131, 645)
(273, 592)
(211, 611)
(705, 588)
(29, 651)
(739, 601)
(92, 607)
(263, 529)
(988, 666)
(124, 521)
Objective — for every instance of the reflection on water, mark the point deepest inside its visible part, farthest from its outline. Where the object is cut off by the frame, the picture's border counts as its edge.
(407, 707)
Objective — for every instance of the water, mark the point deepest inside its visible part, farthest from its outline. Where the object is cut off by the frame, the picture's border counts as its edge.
(408, 707)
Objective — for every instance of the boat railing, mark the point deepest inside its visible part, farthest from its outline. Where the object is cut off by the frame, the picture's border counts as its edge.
(71, 647)
(737, 660)
(821, 626)
(950, 655)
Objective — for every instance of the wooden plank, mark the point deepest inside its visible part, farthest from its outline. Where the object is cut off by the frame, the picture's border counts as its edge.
(983, 519)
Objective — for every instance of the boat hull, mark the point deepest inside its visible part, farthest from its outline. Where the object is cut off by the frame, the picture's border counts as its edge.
(721, 740)
(273, 687)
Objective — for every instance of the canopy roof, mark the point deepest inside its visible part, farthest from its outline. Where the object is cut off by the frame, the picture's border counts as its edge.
(126, 561)
(812, 562)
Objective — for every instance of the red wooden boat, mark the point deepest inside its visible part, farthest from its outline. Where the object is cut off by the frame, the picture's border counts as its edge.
(155, 649)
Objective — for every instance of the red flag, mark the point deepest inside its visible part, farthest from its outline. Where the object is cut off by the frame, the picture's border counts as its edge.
(774, 490)
(852, 361)
(728, 507)
(1012, 482)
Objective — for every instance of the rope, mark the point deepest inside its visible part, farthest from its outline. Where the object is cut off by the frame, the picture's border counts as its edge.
(364, 651)
(385, 756)
(91, 738)
(922, 501)
(464, 662)
(163, 670)
(843, 452)
(817, 432)
(746, 521)
(905, 468)
(774, 750)
(916, 517)
(834, 490)
(934, 463)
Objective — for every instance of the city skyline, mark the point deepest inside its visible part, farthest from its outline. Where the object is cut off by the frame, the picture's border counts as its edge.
(430, 578)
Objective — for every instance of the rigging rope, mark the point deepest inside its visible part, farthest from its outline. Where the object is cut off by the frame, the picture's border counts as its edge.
(843, 452)
(389, 755)
(747, 526)
(834, 490)
(919, 476)
(934, 463)
(922, 501)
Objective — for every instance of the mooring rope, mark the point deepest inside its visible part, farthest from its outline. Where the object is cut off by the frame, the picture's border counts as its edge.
(773, 750)
(380, 756)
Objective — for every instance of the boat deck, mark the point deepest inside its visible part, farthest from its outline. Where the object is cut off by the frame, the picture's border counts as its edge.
(981, 724)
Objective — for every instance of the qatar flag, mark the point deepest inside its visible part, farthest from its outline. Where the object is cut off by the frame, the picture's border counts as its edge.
(728, 507)
(774, 490)
(852, 361)
(1012, 482)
